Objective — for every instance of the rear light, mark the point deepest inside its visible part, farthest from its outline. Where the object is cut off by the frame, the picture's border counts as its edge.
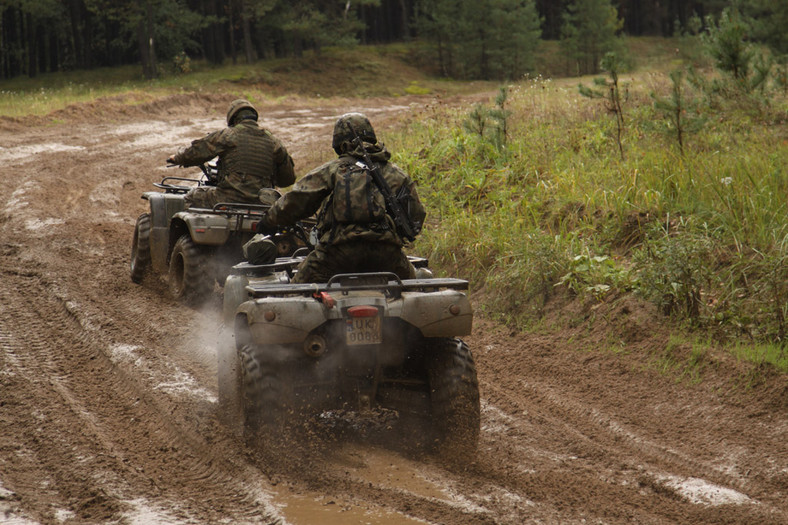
(362, 311)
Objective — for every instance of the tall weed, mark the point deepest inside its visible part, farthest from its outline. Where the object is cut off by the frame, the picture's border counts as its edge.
(701, 234)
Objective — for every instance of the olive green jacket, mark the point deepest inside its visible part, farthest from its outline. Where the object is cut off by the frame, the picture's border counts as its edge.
(311, 194)
(250, 158)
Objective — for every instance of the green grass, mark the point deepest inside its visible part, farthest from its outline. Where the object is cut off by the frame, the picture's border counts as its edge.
(772, 354)
(704, 234)
(367, 71)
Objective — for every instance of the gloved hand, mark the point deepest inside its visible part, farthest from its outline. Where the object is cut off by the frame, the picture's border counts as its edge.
(265, 227)
(171, 160)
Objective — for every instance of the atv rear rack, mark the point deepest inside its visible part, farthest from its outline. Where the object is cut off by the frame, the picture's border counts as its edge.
(384, 282)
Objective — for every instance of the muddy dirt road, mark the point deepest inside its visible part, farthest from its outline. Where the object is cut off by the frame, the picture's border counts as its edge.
(108, 409)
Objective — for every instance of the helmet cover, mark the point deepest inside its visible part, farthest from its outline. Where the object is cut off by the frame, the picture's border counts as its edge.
(350, 125)
(236, 106)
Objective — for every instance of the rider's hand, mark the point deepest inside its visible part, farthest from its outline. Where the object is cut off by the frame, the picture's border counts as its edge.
(171, 160)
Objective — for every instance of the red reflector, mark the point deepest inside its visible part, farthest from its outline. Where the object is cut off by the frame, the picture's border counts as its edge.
(326, 299)
(362, 311)
(254, 226)
(199, 230)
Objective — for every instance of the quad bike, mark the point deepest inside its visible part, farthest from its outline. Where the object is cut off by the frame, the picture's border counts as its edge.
(195, 247)
(360, 341)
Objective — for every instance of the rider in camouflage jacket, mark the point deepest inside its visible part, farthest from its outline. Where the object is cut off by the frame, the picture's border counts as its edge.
(250, 160)
(346, 246)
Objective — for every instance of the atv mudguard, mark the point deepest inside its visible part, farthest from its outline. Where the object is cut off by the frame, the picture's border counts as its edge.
(205, 228)
(294, 317)
(162, 207)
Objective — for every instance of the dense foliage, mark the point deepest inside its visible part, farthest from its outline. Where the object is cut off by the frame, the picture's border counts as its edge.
(531, 199)
(482, 39)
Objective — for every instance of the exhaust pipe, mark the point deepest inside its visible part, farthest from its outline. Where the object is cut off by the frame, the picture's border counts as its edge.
(315, 345)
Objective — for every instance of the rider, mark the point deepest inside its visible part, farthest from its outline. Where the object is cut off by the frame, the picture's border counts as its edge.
(251, 161)
(355, 232)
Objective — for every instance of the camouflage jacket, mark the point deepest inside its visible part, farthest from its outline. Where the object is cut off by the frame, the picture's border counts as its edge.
(312, 194)
(250, 158)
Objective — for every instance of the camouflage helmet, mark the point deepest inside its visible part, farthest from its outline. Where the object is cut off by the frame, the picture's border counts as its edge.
(236, 106)
(345, 127)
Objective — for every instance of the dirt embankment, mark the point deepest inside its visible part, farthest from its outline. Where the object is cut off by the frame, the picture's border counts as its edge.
(108, 389)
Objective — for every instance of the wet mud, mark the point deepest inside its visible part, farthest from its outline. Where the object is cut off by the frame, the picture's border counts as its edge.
(108, 395)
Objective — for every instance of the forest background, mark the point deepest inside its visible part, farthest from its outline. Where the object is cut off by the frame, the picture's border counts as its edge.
(487, 39)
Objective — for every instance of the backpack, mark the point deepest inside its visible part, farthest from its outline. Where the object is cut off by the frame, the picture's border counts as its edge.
(356, 198)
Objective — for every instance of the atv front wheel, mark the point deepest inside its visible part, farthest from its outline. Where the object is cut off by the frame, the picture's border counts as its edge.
(140, 248)
(454, 396)
(190, 276)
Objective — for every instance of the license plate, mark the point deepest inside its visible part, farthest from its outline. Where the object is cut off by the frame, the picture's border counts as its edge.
(363, 331)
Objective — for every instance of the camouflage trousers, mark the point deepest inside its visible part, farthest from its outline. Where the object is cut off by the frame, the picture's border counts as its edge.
(353, 256)
(209, 196)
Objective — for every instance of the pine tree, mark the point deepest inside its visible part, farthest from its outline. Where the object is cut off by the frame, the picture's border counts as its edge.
(483, 39)
(590, 30)
(610, 92)
(680, 112)
(769, 20)
(727, 42)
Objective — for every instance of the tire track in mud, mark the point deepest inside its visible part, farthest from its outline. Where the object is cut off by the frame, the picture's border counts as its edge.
(562, 435)
(135, 363)
(113, 429)
(107, 389)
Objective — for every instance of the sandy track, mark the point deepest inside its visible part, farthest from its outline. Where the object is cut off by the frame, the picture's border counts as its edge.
(108, 389)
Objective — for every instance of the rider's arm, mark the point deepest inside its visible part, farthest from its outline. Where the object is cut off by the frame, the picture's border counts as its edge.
(284, 174)
(303, 200)
(201, 150)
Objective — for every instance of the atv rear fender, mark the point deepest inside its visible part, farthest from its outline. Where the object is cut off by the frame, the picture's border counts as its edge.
(288, 313)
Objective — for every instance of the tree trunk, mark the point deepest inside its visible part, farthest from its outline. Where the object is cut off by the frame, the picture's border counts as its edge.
(405, 20)
(31, 45)
(146, 44)
(151, 49)
(3, 73)
(231, 23)
(248, 50)
(76, 35)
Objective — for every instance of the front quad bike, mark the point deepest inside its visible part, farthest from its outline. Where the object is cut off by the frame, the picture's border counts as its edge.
(195, 247)
(361, 341)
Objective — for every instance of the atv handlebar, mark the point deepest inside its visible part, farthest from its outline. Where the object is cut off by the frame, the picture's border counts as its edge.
(211, 173)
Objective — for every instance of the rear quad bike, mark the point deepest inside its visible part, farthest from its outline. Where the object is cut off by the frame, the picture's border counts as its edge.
(195, 247)
(360, 342)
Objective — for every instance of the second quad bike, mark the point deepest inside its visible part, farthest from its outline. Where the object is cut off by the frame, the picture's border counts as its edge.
(360, 341)
(195, 247)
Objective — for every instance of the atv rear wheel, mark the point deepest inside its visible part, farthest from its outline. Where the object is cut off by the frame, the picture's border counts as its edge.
(140, 248)
(190, 275)
(454, 396)
(264, 394)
